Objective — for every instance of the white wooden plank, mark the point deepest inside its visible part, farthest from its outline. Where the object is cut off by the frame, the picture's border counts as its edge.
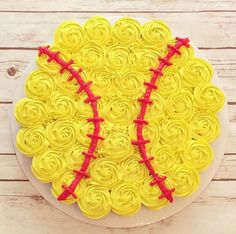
(213, 212)
(13, 63)
(121, 5)
(216, 29)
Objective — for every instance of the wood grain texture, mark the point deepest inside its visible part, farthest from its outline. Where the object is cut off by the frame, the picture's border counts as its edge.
(118, 6)
(210, 24)
(29, 30)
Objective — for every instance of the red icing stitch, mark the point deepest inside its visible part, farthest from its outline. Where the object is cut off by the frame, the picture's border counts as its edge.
(140, 142)
(66, 66)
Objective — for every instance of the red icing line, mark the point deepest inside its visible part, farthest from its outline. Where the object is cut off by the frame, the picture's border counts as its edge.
(82, 172)
(140, 121)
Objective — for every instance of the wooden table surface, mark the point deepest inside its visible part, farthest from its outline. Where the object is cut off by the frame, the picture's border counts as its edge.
(27, 24)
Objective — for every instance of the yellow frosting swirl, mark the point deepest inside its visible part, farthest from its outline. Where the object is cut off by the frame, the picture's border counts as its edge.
(98, 30)
(91, 56)
(187, 53)
(95, 202)
(120, 110)
(29, 112)
(74, 157)
(69, 36)
(164, 158)
(104, 173)
(170, 82)
(180, 105)
(66, 179)
(196, 71)
(32, 141)
(125, 199)
(117, 146)
(157, 108)
(60, 106)
(61, 134)
(39, 85)
(184, 179)
(174, 132)
(50, 67)
(197, 154)
(83, 127)
(118, 58)
(48, 166)
(103, 82)
(205, 126)
(131, 84)
(65, 87)
(127, 30)
(209, 97)
(151, 131)
(132, 171)
(156, 33)
(145, 58)
(150, 194)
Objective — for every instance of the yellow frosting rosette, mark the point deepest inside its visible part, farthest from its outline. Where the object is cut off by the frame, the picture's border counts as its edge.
(32, 141)
(95, 202)
(125, 199)
(118, 59)
(127, 30)
(30, 112)
(205, 126)
(164, 158)
(151, 132)
(83, 128)
(74, 157)
(132, 171)
(156, 33)
(60, 107)
(180, 105)
(50, 67)
(197, 154)
(187, 53)
(61, 134)
(48, 166)
(117, 146)
(39, 85)
(184, 179)
(103, 82)
(196, 71)
(104, 173)
(174, 132)
(91, 56)
(69, 36)
(131, 84)
(98, 30)
(84, 110)
(65, 87)
(170, 82)
(120, 110)
(145, 58)
(150, 194)
(65, 179)
(209, 97)
(157, 108)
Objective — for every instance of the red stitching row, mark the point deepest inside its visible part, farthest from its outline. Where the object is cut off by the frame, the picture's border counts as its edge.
(66, 66)
(140, 121)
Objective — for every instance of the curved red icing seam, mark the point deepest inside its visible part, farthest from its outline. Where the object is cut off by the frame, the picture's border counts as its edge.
(140, 121)
(84, 87)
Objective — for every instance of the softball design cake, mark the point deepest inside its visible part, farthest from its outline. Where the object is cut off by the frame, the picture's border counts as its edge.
(116, 117)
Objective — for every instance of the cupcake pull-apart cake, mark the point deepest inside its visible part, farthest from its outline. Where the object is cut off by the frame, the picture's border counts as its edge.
(118, 116)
